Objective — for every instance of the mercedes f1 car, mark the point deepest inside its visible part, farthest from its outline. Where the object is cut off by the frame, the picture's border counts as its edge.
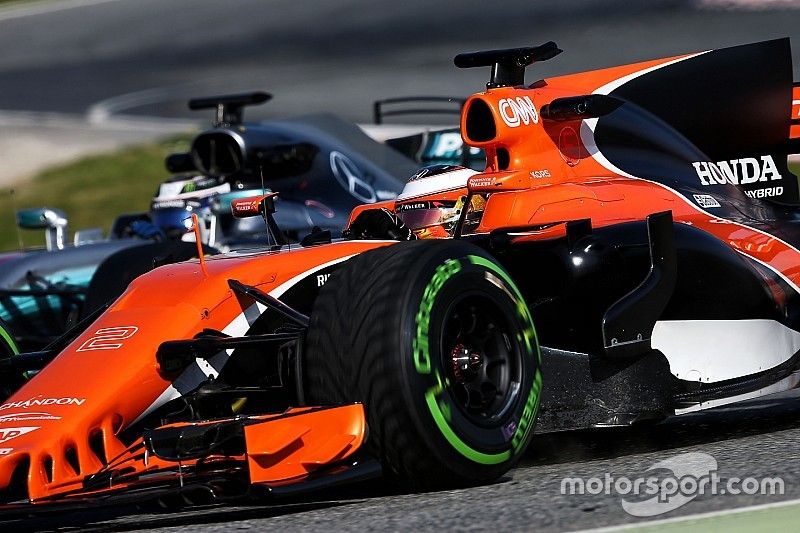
(323, 165)
(630, 252)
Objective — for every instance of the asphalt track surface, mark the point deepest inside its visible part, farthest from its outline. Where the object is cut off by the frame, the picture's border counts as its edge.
(104, 58)
(148, 56)
(759, 439)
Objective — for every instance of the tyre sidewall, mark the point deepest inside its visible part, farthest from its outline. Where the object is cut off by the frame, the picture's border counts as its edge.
(446, 272)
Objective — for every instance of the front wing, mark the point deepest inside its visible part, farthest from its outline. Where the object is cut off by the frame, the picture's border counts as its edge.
(235, 458)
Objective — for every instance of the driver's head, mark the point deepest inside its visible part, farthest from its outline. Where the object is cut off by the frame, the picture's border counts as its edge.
(432, 200)
(180, 196)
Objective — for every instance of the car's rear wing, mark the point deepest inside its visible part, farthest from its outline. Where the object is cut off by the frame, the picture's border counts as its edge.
(417, 105)
(427, 145)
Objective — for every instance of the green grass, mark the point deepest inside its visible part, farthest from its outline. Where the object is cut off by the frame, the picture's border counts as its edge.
(92, 191)
(5, 3)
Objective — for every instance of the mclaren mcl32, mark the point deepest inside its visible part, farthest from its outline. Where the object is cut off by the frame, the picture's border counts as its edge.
(629, 253)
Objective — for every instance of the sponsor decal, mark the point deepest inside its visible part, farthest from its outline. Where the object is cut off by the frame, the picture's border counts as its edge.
(39, 401)
(525, 425)
(422, 359)
(705, 200)
(737, 171)
(518, 111)
(248, 207)
(413, 205)
(481, 181)
(321, 279)
(6, 451)
(7, 434)
(767, 192)
(24, 417)
(165, 204)
(350, 178)
(108, 338)
(540, 173)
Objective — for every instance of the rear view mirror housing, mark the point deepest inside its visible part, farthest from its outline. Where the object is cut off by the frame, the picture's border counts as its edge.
(52, 220)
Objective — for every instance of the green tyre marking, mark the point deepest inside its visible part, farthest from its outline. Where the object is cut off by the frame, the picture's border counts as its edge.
(422, 363)
(420, 348)
(530, 332)
(460, 446)
(4, 334)
(526, 422)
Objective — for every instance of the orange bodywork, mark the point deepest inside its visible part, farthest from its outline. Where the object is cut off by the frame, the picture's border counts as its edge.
(98, 385)
(279, 449)
(551, 176)
(292, 447)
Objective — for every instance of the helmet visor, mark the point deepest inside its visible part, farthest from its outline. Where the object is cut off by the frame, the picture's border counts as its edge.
(417, 215)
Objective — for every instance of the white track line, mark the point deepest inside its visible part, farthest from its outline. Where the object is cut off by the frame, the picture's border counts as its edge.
(691, 517)
(11, 118)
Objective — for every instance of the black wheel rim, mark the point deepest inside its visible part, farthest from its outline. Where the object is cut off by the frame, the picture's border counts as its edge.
(481, 358)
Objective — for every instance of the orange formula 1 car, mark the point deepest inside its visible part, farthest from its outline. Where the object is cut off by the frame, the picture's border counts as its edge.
(629, 253)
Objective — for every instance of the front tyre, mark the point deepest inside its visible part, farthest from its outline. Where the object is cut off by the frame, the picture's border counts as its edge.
(437, 342)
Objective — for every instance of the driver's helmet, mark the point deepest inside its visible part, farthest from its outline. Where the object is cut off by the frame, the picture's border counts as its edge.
(432, 200)
(172, 207)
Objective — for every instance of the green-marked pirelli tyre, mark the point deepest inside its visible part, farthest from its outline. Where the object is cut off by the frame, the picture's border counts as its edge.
(437, 342)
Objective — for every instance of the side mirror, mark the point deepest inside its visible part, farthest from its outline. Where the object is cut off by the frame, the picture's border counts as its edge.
(221, 203)
(52, 220)
(263, 205)
(254, 206)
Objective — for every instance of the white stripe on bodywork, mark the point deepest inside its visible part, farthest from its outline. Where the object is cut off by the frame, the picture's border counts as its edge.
(788, 383)
(710, 351)
(610, 86)
(193, 376)
(170, 393)
(279, 291)
(588, 126)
